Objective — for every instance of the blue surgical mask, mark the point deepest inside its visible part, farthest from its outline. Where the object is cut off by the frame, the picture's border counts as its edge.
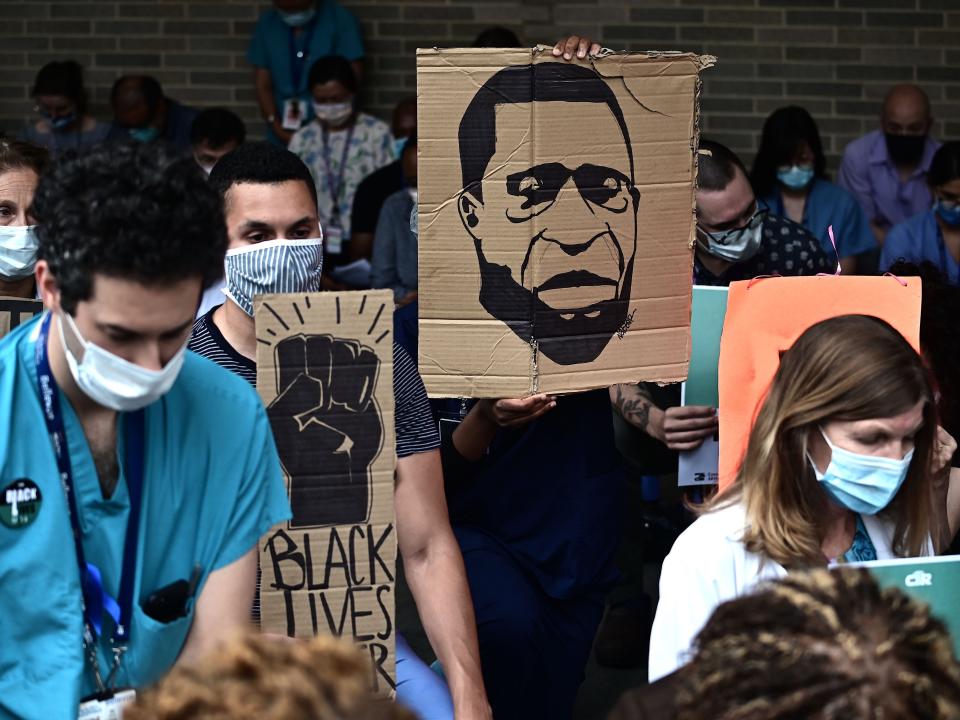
(144, 134)
(298, 19)
(948, 211)
(796, 177)
(865, 484)
(398, 145)
(60, 122)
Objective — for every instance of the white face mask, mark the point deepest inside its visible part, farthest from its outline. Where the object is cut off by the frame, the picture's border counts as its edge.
(112, 381)
(275, 266)
(18, 250)
(333, 113)
(734, 245)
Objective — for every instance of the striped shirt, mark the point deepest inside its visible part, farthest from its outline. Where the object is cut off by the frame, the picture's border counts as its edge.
(415, 429)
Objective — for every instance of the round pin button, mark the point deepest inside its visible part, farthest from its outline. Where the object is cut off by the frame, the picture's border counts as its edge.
(20, 503)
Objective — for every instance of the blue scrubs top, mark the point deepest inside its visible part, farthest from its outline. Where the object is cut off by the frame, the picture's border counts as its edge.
(212, 487)
(333, 31)
(919, 240)
(828, 204)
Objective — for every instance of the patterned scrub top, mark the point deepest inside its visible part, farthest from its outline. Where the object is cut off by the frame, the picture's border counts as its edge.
(371, 147)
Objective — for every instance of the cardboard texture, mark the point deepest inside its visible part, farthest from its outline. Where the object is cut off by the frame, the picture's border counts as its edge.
(556, 219)
(325, 374)
(701, 466)
(14, 311)
(765, 317)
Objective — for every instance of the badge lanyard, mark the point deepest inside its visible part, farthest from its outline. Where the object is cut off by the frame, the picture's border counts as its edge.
(300, 54)
(96, 600)
(334, 186)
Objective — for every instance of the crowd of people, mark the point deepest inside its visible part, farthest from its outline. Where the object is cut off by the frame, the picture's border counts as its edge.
(139, 468)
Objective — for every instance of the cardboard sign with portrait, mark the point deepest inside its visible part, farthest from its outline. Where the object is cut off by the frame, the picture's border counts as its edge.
(325, 374)
(556, 219)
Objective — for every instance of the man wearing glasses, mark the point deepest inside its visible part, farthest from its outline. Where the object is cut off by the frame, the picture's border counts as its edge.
(737, 239)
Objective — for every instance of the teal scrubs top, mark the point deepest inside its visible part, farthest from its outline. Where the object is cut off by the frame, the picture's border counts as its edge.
(334, 31)
(212, 487)
(828, 204)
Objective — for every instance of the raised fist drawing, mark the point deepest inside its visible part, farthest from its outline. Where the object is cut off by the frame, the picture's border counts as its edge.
(327, 427)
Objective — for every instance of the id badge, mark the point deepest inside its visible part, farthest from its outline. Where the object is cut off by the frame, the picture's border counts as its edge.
(106, 708)
(333, 239)
(294, 111)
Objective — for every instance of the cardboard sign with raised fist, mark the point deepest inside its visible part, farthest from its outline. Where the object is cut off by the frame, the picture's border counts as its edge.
(325, 373)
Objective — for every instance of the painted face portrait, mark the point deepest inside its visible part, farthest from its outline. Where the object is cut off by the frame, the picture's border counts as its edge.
(555, 234)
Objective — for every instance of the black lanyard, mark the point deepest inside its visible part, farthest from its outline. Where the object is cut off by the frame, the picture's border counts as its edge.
(96, 600)
(334, 186)
(300, 54)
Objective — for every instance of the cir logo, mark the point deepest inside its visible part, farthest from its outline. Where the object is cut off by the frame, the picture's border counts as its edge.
(918, 578)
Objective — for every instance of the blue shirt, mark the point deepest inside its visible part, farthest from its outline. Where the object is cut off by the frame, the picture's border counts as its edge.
(333, 31)
(868, 172)
(828, 204)
(212, 487)
(394, 263)
(551, 493)
(919, 240)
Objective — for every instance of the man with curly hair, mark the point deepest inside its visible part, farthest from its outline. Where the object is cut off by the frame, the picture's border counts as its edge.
(129, 511)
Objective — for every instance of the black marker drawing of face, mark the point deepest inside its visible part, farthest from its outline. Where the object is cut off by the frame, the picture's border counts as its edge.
(555, 239)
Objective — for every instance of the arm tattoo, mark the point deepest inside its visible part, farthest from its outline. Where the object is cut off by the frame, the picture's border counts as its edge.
(633, 402)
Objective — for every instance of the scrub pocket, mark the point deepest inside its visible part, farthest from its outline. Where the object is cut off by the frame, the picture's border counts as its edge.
(156, 646)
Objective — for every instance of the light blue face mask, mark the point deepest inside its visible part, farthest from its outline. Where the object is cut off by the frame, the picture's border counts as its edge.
(144, 134)
(948, 211)
(796, 177)
(864, 484)
(398, 145)
(298, 19)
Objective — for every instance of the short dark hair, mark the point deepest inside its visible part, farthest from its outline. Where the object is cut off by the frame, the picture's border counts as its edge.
(333, 67)
(945, 165)
(716, 165)
(784, 132)
(260, 163)
(524, 84)
(16, 155)
(217, 126)
(62, 78)
(131, 211)
(497, 37)
(148, 87)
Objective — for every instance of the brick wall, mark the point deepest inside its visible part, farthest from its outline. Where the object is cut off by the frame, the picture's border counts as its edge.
(835, 57)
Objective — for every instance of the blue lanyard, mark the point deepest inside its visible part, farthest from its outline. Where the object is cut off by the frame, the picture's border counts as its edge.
(334, 186)
(96, 600)
(300, 54)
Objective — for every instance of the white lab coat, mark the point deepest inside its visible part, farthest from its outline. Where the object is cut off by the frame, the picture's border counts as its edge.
(709, 565)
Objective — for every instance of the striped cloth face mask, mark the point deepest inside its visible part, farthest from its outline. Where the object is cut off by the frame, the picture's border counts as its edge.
(274, 266)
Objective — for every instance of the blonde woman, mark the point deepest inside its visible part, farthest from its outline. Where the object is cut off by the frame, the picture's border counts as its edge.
(839, 467)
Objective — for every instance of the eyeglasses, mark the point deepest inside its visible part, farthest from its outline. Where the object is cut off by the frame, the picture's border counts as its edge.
(760, 213)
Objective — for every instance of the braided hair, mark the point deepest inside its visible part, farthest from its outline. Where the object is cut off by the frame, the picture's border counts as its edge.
(822, 645)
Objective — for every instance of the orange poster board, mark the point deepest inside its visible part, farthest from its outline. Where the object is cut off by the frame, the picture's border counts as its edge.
(765, 317)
